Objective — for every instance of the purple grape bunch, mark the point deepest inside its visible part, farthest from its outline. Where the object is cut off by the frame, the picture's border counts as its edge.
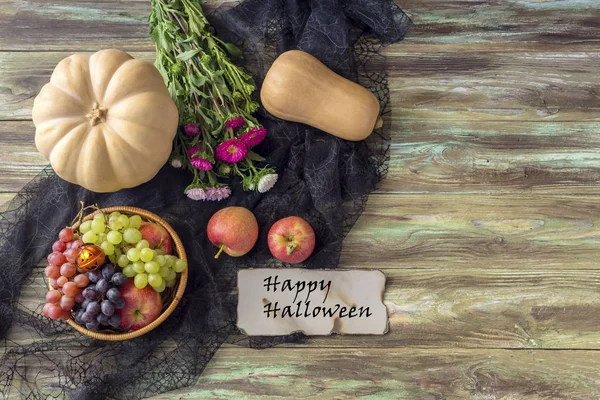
(101, 299)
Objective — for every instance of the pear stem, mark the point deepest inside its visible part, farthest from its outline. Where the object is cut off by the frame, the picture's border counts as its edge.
(220, 251)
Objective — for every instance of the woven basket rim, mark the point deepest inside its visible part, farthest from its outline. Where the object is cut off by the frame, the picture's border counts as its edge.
(180, 287)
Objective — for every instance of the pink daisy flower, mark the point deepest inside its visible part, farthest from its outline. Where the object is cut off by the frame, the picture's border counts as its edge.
(254, 136)
(191, 130)
(193, 150)
(235, 123)
(231, 151)
(217, 194)
(201, 164)
(196, 194)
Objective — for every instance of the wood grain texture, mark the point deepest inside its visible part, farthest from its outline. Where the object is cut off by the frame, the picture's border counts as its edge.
(396, 373)
(451, 25)
(524, 231)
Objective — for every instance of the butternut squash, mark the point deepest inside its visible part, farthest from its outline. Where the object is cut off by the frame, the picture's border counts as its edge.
(300, 88)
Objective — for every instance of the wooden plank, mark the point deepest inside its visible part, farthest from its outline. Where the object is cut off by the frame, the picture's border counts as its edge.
(451, 25)
(425, 157)
(473, 308)
(396, 373)
(518, 230)
(542, 81)
(477, 156)
(524, 86)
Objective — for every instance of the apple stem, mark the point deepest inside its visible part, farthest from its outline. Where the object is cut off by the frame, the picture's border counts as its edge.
(291, 247)
(220, 251)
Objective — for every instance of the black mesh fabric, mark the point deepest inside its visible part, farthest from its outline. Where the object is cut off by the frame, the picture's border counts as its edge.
(323, 179)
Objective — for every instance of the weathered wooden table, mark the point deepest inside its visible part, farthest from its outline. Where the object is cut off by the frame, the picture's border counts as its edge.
(487, 226)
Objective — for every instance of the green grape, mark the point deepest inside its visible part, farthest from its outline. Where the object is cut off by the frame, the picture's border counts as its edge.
(89, 237)
(171, 283)
(172, 275)
(132, 235)
(102, 237)
(108, 248)
(98, 226)
(135, 221)
(123, 261)
(114, 237)
(114, 223)
(118, 252)
(138, 267)
(133, 254)
(128, 271)
(124, 220)
(171, 261)
(114, 214)
(162, 287)
(99, 217)
(85, 227)
(112, 259)
(164, 271)
(161, 260)
(146, 255)
(159, 252)
(180, 265)
(152, 267)
(155, 280)
(142, 244)
(141, 280)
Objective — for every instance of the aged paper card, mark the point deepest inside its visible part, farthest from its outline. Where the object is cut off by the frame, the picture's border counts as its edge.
(317, 302)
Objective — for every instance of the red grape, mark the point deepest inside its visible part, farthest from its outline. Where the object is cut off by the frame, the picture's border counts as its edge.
(54, 311)
(53, 296)
(76, 244)
(70, 288)
(61, 281)
(81, 280)
(66, 234)
(56, 258)
(52, 271)
(66, 315)
(54, 283)
(71, 255)
(68, 270)
(59, 246)
(67, 303)
(46, 309)
(79, 297)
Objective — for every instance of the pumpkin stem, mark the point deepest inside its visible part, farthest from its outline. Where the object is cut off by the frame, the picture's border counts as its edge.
(97, 115)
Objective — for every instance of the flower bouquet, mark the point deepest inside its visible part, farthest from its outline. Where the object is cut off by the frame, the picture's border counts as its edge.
(217, 128)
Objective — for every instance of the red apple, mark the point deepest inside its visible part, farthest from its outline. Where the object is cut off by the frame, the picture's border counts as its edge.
(142, 306)
(233, 230)
(291, 240)
(157, 237)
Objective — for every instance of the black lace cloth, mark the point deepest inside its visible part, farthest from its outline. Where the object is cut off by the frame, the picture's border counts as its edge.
(323, 179)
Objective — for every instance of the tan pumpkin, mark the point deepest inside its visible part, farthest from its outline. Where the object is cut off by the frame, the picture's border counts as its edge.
(105, 121)
(300, 88)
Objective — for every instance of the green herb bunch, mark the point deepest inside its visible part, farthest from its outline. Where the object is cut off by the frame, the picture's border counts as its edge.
(214, 98)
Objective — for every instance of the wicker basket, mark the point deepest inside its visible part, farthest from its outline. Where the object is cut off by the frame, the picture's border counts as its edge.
(172, 296)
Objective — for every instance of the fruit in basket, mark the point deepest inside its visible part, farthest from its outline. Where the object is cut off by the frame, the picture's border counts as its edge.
(291, 240)
(107, 110)
(234, 230)
(90, 258)
(142, 306)
(157, 237)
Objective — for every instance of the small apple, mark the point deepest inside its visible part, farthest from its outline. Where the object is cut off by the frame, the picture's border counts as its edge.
(142, 306)
(157, 237)
(233, 230)
(291, 240)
